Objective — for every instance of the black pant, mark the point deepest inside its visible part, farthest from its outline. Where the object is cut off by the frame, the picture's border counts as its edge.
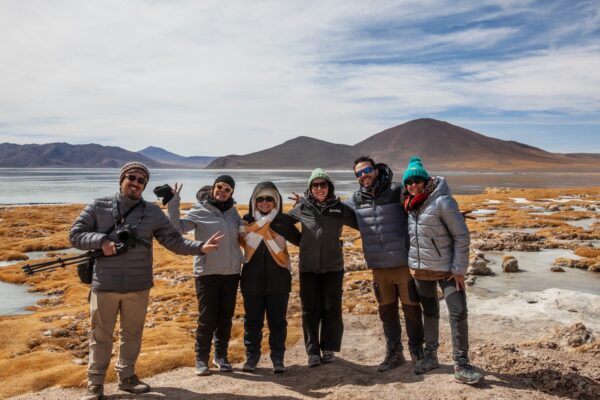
(275, 307)
(216, 303)
(321, 298)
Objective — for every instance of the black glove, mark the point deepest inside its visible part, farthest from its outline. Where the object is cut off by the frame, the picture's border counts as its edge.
(165, 191)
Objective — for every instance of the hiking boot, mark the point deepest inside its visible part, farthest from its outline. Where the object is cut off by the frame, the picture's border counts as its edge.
(416, 353)
(93, 392)
(223, 364)
(327, 357)
(314, 360)
(427, 363)
(392, 360)
(464, 372)
(201, 368)
(133, 385)
(278, 367)
(250, 364)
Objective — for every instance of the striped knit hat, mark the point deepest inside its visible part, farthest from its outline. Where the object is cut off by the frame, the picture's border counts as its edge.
(134, 166)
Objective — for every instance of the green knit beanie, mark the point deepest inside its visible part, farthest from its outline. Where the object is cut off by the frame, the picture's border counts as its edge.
(415, 168)
(318, 173)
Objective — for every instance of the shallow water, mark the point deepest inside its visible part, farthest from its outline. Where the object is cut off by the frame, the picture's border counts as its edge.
(535, 274)
(15, 298)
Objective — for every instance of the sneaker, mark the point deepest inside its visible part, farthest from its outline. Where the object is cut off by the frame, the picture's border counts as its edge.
(223, 364)
(327, 357)
(93, 392)
(427, 363)
(250, 364)
(133, 385)
(416, 353)
(464, 373)
(314, 360)
(392, 360)
(201, 368)
(278, 367)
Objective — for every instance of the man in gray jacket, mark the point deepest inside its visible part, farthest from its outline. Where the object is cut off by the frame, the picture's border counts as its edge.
(383, 226)
(122, 278)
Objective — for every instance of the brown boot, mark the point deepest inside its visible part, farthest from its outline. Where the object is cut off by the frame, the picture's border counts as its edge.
(133, 385)
(93, 392)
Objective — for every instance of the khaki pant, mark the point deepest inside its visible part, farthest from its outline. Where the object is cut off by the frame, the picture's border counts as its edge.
(391, 283)
(104, 308)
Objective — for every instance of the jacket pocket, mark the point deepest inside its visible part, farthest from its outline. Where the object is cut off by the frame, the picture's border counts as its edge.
(436, 248)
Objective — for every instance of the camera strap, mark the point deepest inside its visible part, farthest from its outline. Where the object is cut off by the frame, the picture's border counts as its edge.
(120, 219)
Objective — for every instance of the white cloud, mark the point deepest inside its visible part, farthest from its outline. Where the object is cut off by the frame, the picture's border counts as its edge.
(215, 77)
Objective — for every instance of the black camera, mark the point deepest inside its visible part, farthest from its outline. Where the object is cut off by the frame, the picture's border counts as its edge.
(126, 238)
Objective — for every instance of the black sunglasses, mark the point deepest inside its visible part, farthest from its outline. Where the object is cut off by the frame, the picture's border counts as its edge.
(417, 181)
(319, 185)
(366, 170)
(265, 198)
(139, 179)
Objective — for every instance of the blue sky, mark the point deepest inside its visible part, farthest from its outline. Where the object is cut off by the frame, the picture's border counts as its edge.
(223, 77)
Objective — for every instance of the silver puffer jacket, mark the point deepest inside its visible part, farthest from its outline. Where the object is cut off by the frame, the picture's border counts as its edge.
(439, 237)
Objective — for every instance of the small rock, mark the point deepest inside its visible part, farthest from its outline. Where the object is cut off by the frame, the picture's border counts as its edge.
(510, 264)
(557, 269)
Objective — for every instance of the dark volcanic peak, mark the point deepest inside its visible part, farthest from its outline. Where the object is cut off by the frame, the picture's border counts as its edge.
(68, 155)
(302, 152)
(441, 144)
(160, 154)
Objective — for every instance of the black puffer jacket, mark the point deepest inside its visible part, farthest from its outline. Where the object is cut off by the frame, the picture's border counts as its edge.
(382, 221)
(321, 247)
(261, 275)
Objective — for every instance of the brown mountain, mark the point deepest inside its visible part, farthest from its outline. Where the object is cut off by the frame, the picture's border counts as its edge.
(441, 145)
(69, 155)
(299, 153)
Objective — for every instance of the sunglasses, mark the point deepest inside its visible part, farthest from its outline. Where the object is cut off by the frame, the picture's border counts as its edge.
(409, 182)
(139, 179)
(222, 188)
(268, 199)
(366, 170)
(319, 185)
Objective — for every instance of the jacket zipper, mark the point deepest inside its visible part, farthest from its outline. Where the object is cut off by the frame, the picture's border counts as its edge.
(436, 248)
(417, 240)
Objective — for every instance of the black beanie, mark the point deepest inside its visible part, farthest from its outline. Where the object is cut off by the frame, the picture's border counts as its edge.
(165, 191)
(225, 179)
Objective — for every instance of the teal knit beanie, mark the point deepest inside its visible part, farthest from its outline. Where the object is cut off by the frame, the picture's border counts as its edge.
(318, 173)
(415, 168)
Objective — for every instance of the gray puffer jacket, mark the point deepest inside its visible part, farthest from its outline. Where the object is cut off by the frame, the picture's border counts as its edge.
(131, 271)
(206, 220)
(439, 237)
(382, 221)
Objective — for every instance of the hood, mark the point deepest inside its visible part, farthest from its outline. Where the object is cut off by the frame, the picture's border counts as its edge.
(441, 187)
(265, 187)
(204, 193)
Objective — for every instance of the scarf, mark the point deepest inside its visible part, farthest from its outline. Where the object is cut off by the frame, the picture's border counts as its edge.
(414, 202)
(260, 230)
(221, 205)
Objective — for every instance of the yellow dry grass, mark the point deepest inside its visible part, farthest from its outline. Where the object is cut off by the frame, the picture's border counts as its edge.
(40, 349)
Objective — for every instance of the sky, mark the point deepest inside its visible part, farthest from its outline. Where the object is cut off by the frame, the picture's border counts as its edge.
(232, 77)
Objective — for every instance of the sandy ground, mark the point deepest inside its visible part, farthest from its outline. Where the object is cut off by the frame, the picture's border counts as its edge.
(522, 358)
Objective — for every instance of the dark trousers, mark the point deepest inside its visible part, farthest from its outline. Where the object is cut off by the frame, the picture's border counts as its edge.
(216, 303)
(275, 308)
(456, 300)
(321, 298)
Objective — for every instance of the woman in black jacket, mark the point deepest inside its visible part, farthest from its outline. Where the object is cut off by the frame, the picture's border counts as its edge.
(322, 215)
(266, 279)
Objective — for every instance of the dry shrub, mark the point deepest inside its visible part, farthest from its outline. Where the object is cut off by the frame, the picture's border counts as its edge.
(587, 252)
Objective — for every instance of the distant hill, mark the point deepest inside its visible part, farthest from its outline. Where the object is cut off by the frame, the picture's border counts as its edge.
(166, 157)
(299, 153)
(442, 146)
(69, 155)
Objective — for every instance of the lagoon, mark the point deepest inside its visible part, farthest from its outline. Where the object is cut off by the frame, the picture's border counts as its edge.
(81, 185)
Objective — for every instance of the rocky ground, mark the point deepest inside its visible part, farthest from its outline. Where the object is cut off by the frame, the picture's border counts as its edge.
(528, 344)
